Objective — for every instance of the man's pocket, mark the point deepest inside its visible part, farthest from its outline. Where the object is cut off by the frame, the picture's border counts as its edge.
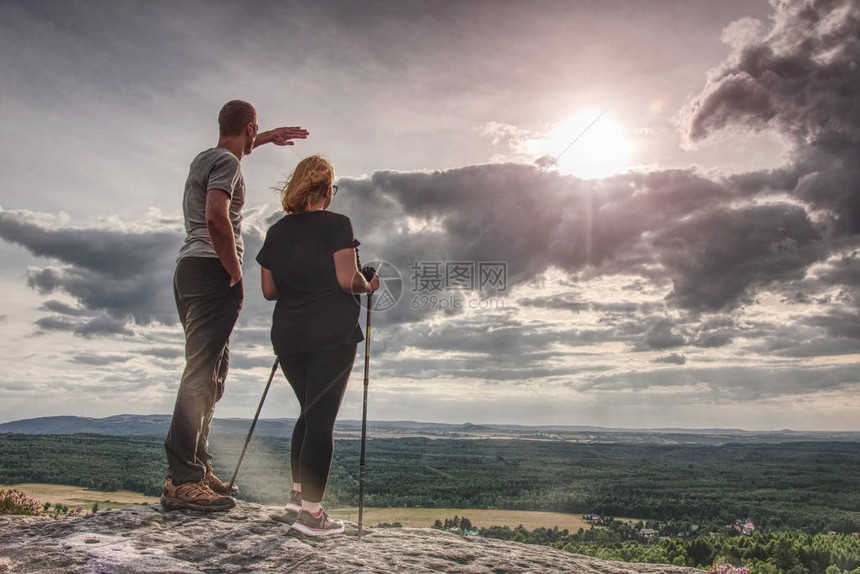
(237, 293)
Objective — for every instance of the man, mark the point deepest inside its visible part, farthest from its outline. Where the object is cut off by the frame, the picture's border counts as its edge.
(208, 289)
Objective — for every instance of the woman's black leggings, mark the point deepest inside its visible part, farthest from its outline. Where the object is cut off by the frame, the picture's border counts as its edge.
(319, 381)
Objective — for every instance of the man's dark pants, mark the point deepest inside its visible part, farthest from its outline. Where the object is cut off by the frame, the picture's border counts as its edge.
(208, 308)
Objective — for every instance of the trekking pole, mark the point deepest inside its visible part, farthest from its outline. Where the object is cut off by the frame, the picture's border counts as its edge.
(361, 464)
(253, 424)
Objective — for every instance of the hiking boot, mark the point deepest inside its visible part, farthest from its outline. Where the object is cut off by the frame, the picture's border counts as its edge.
(194, 496)
(320, 525)
(294, 506)
(218, 486)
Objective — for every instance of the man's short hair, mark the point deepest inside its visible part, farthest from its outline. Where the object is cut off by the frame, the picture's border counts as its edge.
(234, 116)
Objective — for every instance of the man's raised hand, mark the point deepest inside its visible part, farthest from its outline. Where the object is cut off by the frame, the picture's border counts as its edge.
(281, 136)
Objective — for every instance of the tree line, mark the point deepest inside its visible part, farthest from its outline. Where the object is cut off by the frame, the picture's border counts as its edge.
(784, 552)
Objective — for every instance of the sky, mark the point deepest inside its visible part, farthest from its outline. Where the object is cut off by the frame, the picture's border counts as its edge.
(614, 213)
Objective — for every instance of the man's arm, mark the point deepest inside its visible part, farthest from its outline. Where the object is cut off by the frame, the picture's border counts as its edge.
(221, 232)
(280, 136)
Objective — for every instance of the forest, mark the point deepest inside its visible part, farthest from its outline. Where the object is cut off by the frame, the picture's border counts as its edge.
(782, 552)
(802, 497)
(811, 487)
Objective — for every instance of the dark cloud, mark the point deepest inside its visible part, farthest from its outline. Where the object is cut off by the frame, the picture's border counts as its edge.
(718, 384)
(413, 368)
(492, 337)
(103, 325)
(487, 348)
(799, 78)
(712, 339)
(59, 306)
(163, 352)
(571, 302)
(489, 213)
(820, 347)
(717, 259)
(55, 323)
(645, 326)
(99, 360)
(838, 323)
(124, 273)
(844, 271)
(663, 335)
(672, 358)
(828, 179)
(717, 256)
(121, 254)
(556, 302)
(806, 336)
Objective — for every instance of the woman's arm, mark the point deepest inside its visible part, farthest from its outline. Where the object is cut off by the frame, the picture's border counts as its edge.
(348, 276)
(270, 292)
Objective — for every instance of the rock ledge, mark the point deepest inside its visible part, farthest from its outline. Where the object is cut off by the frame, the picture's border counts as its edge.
(147, 539)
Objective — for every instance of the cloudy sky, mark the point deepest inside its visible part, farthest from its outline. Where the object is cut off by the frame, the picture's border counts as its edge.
(689, 259)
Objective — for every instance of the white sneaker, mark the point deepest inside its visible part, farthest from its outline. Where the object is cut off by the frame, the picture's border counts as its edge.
(320, 525)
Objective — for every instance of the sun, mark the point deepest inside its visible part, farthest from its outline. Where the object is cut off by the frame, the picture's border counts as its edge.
(601, 150)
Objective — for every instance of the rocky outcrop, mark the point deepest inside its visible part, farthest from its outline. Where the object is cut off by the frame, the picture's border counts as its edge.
(250, 538)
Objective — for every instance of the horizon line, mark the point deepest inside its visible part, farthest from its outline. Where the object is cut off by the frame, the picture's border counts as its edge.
(467, 423)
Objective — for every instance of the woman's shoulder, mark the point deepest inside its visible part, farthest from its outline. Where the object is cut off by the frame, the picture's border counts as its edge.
(302, 220)
(333, 215)
(331, 219)
(278, 224)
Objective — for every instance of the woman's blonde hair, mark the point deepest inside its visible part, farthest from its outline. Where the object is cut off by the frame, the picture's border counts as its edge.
(308, 184)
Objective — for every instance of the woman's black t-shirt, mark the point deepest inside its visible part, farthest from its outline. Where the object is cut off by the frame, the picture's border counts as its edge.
(313, 312)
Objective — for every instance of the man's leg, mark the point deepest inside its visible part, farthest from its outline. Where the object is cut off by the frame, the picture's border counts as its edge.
(203, 455)
(220, 382)
(209, 309)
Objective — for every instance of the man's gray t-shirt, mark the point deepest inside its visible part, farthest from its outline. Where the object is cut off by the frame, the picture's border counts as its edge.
(214, 168)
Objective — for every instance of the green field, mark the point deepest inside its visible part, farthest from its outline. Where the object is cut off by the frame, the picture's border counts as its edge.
(425, 517)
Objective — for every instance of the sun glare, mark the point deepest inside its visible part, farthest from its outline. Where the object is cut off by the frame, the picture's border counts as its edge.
(600, 152)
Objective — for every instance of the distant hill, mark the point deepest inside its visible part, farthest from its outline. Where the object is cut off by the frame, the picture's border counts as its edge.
(115, 425)
(145, 425)
(156, 425)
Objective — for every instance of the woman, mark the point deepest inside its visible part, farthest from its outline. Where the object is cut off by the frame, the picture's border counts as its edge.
(309, 266)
